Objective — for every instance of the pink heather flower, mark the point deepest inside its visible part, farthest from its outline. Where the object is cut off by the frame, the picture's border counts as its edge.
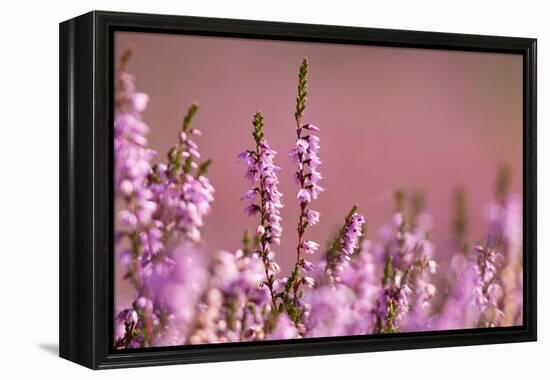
(308, 265)
(156, 202)
(316, 190)
(126, 188)
(407, 294)
(344, 246)
(235, 307)
(140, 101)
(284, 329)
(181, 189)
(309, 247)
(487, 289)
(304, 196)
(125, 322)
(246, 156)
(273, 267)
(185, 199)
(301, 147)
(312, 217)
(127, 219)
(250, 195)
(330, 312)
(252, 209)
(145, 304)
(506, 235)
(314, 176)
(432, 266)
(311, 127)
(308, 281)
(304, 155)
(260, 230)
(313, 143)
(398, 219)
(138, 205)
(353, 231)
(264, 199)
(313, 160)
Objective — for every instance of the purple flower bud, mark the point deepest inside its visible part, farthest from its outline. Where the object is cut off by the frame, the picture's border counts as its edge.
(250, 195)
(308, 265)
(309, 247)
(301, 146)
(312, 217)
(140, 101)
(127, 219)
(316, 190)
(252, 209)
(126, 187)
(308, 281)
(311, 127)
(315, 176)
(273, 267)
(304, 196)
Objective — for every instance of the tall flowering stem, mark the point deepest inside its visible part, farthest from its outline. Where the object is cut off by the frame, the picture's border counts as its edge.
(488, 291)
(306, 177)
(406, 291)
(506, 237)
(137, 233)
(181, 188)
(343, 247)
(265, 200)
(157, 204)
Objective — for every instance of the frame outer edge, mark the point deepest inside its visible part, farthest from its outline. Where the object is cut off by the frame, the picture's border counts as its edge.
(84, 203)
(76, 330)
(66, 327)
(531, 123)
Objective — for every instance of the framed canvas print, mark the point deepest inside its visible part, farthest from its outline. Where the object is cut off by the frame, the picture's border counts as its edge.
(237, 189)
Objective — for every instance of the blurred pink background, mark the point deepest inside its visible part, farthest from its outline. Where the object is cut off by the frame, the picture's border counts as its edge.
(421, 119)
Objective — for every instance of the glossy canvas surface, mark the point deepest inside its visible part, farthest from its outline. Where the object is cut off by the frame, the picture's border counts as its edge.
(426, 143)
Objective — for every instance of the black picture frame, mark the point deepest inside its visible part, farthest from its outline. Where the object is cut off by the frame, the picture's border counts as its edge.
(86, 188)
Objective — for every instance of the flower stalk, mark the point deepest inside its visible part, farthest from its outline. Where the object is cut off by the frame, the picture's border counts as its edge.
(264, 199)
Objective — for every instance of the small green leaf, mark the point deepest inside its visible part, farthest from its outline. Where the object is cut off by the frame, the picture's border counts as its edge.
(203, 167)
(189, 117)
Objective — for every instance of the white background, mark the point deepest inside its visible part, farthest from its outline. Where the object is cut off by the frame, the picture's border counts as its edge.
(29, 186)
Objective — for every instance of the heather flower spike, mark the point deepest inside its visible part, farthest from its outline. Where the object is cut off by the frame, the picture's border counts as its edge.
(506, 236)
(181, 187)
(307, 177)
(162, 203)
(264, 199)
(406, 288)
(488, 291)
(136, 216)
(344, 245)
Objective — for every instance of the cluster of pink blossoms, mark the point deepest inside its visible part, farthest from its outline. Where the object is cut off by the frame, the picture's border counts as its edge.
(138, 237)
(340, 254)
(182, 191)
(160, 205)
(265, 200)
